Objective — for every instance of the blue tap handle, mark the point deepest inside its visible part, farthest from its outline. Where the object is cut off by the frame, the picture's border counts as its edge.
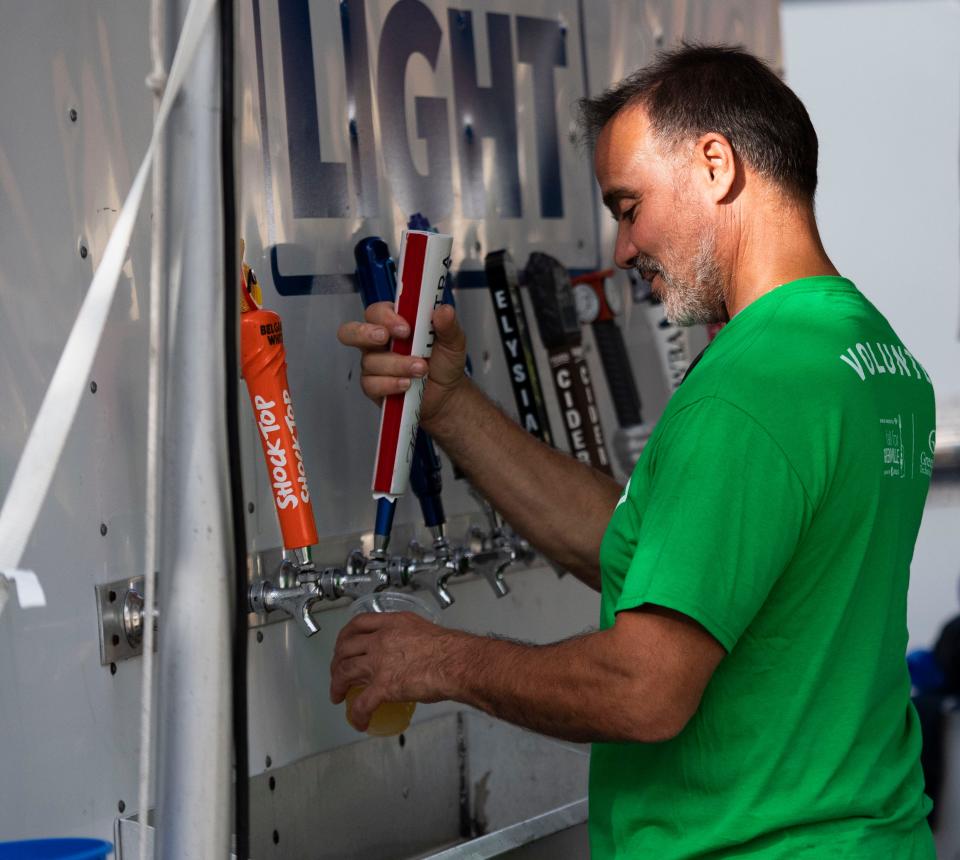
(377, 282)
(426, 480)
(376, 271)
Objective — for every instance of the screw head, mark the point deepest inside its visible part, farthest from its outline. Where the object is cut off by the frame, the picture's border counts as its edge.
(259, 636)
(272, 783)
(83, 251)
(103, 528)
(121, 806)
(93, 387)
(250, 507)
(73, 114)
(269, 761)
(113, 668)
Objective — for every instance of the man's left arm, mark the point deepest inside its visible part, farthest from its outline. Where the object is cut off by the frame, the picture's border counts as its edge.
(641, 680)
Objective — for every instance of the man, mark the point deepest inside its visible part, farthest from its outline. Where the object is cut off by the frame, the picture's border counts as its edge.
(747, 692)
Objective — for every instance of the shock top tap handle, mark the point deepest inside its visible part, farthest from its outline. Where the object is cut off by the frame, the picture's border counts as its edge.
(377, 282)
(263, 364)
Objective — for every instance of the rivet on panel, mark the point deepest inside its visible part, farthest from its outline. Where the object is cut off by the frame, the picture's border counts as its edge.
(113, 668)
(250, 507)
(83, 251)
(121, 806)
(103, 529)
(72, 114)
(259, 636)
(272, 783)
(269, 761)
(276, 837)
(93, 387)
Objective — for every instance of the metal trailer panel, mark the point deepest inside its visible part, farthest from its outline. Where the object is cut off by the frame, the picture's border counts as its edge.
(69, 726)
(197, 559)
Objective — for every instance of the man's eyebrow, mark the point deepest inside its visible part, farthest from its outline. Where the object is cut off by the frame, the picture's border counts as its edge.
(615, 195)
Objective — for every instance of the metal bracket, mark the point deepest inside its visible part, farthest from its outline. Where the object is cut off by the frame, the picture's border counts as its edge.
(120, 613)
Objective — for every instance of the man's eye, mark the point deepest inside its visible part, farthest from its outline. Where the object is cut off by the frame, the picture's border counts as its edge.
(629, 214)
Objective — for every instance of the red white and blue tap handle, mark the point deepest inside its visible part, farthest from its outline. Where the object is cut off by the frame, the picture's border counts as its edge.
(422, 271)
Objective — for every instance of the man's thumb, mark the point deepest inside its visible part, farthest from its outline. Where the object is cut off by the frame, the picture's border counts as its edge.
(447, 329)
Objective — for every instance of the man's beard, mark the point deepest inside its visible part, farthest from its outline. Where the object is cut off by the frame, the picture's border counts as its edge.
(693, 301)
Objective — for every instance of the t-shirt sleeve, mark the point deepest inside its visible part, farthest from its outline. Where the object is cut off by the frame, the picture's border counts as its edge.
(724, 515)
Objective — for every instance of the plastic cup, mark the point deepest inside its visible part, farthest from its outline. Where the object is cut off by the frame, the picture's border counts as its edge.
(390, 718)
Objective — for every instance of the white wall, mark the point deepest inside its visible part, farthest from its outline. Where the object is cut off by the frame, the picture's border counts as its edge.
(881, 80)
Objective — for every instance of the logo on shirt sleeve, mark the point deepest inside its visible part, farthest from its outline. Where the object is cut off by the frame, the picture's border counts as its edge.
(926, 460)
(892, 430)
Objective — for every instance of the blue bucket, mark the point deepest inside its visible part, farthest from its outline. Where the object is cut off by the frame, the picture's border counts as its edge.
(55, 849)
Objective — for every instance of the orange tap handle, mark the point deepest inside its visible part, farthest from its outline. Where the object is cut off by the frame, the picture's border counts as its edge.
(263, 362)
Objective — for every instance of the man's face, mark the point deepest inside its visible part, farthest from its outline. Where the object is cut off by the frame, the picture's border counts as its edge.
(664, 229)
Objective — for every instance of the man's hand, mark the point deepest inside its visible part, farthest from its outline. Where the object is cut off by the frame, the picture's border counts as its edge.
(383, 373)
(397, 657)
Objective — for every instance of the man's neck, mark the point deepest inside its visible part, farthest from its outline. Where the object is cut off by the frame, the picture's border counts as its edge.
(778, 244)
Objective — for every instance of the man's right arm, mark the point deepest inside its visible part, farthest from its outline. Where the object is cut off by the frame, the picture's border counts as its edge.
(559, 504)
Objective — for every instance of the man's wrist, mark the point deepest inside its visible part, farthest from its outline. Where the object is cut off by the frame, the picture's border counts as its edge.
(443, 420)
(457, 651)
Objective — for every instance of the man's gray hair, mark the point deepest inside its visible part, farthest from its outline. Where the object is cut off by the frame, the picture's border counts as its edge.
(702, 88)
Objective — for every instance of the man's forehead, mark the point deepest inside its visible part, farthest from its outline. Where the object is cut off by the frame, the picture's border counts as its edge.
(621, 151)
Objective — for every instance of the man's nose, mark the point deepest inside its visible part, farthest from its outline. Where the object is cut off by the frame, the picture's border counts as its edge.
(625, 252)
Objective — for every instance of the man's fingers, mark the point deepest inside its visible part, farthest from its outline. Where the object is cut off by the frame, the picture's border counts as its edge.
(347, 673)
(365, 622)
(352, 646)
(363, 706)
(363, 335)
(383, 314)
(391, 364)
(378, 387)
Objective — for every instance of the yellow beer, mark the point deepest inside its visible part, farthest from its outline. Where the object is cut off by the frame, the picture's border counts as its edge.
(389, 719)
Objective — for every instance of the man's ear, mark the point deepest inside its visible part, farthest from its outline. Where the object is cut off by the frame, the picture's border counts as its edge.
(715, 164)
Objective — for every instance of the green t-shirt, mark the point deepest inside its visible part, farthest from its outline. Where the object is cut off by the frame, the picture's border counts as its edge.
(777, 503)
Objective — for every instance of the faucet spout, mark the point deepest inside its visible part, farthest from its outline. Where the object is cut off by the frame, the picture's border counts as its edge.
(297, 601)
